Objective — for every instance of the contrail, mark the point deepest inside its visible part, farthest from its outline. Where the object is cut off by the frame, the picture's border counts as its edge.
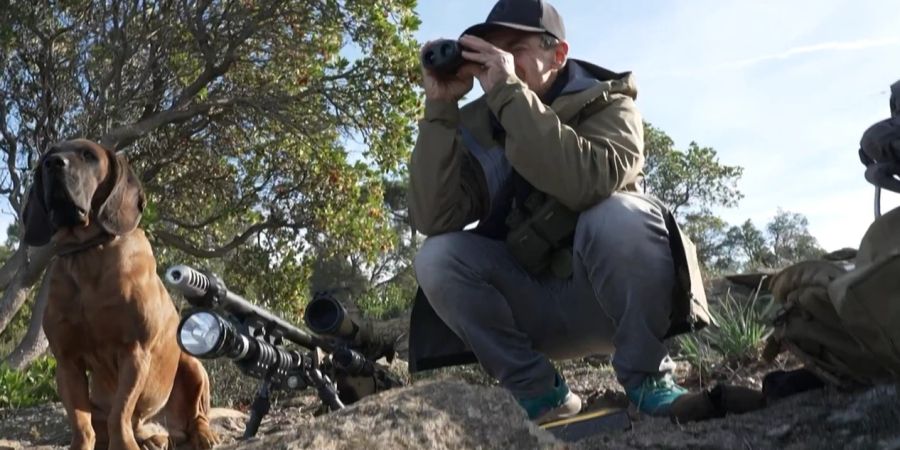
(824, 47)
(859, 44)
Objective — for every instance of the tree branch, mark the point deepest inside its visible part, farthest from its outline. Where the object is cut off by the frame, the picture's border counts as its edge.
(182, 244)
(12, 150)
(123, 136)
(34, 344)
(11, 266)
(212, 71)
(29, 272)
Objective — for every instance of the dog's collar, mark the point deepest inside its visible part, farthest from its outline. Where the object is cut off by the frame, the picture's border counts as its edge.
(72, 249)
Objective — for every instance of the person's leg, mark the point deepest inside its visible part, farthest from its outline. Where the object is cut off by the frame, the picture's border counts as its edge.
(459, 274)
(506, 316)
(622, 244)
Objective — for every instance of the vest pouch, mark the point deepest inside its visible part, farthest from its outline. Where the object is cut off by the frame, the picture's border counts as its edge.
(555, 222)
(541, 234)
(561, 263)
(528, 248)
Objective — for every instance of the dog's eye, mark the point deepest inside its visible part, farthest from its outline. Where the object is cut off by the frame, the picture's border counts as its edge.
(88, 155)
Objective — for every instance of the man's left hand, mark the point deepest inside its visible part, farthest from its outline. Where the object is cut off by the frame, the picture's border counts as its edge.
(497, 64)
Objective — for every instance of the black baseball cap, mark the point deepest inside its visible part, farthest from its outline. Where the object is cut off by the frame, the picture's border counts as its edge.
(526, 15)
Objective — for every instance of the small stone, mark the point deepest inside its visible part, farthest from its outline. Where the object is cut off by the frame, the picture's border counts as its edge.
(780, 432)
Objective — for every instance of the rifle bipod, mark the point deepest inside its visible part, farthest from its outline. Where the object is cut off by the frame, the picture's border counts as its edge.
(258, 409)
(311, 375)
(325, 386)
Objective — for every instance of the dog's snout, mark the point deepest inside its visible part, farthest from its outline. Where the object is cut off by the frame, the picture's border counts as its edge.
(55, 162)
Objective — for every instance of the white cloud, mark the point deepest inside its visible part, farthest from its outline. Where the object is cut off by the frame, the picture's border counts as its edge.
(860, 44)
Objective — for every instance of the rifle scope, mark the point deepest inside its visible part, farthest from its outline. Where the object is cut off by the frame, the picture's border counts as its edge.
(325, 316)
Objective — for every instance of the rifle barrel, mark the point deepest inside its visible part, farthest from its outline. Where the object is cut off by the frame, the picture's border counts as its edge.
(195, 286)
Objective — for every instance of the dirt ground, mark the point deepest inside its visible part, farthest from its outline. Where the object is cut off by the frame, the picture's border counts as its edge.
(44, 427)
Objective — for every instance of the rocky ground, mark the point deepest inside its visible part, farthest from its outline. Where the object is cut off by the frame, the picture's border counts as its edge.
(461, 409)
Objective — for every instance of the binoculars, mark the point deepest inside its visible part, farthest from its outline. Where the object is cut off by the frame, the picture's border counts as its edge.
(443, 57)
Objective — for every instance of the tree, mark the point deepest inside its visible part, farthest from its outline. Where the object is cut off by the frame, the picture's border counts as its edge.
(234, 115)
(785, 241)
(709, 235)
(791, 240)
(691, 183)
(748, 248)
(385, 287)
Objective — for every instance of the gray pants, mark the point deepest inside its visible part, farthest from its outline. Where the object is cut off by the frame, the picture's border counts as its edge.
(617, 302)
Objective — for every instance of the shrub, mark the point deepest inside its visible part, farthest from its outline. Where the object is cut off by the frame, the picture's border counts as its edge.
(736, 341)
(30, 387)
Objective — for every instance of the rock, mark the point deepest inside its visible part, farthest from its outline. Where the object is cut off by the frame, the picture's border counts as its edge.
(752, 280)
(780, 431)
(445, 414)
(9, 445)
(862, 420)
(432, 414)
(844, 254)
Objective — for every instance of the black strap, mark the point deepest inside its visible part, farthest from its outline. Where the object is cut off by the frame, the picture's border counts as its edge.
(884, 175)
(72, 249)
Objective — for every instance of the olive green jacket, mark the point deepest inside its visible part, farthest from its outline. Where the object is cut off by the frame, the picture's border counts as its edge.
(586, 145)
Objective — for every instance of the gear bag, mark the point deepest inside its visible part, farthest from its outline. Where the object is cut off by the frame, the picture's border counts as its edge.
(844, 323)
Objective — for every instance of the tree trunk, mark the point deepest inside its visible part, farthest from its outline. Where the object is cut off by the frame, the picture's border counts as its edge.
(11, 266)
(34, 344)
(29, 272)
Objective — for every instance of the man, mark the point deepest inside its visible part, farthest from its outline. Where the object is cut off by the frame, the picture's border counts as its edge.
(562, 137)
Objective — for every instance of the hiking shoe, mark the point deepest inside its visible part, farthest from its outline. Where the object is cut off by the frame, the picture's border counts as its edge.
(557, 403)
(655, 394)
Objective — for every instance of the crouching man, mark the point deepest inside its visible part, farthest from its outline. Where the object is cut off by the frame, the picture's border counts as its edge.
(567, 259)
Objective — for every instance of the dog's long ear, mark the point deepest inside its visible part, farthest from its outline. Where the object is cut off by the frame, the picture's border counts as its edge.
(121, 211)
(38, 229)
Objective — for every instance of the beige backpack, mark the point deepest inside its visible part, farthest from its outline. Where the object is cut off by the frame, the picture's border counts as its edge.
(844, 321)
(844, 324)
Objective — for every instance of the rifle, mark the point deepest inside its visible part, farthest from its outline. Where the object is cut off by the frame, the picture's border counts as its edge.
(339, 357)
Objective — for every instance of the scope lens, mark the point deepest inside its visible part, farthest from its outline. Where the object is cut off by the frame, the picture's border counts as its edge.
(200, 333)
(323, 315)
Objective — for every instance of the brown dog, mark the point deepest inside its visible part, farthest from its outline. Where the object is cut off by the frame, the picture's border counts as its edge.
(109, 314)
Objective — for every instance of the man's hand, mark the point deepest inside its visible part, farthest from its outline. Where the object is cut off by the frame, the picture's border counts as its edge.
(497, 65)
(448, 88)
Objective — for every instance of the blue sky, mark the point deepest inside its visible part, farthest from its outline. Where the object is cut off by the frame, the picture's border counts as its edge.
(782, 88)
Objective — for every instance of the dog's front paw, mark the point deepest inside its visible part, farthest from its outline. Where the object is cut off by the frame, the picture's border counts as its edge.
(82, 441)
(156, 442)
(203, 438)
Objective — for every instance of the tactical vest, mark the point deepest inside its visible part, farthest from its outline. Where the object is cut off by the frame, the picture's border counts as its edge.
(538, 229)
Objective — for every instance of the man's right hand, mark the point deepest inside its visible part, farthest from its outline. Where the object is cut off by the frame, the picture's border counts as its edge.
(448, 88)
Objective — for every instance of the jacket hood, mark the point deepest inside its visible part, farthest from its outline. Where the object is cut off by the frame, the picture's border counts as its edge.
(588, 82)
